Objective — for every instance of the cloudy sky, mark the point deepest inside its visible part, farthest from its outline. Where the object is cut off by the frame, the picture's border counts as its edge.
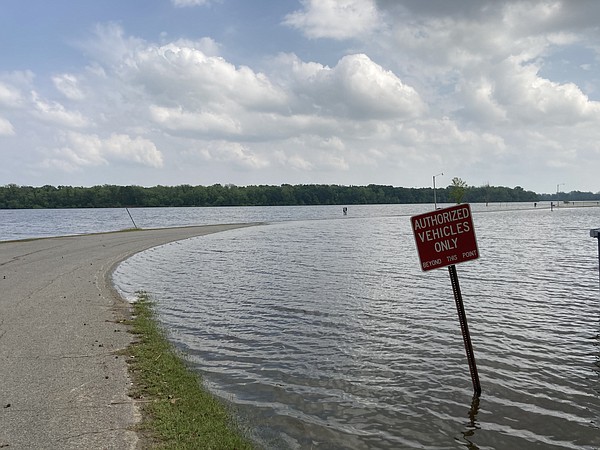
(346, 92)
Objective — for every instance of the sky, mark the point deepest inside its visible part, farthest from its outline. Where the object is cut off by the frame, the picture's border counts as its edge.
(349, 92)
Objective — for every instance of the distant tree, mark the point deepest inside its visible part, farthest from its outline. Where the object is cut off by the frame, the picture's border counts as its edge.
(111, 196)
(458, 189)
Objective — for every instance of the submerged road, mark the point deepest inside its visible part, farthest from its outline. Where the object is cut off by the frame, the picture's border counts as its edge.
(63, 382)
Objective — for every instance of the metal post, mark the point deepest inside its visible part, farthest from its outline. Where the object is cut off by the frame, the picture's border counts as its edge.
(135, 226)
(434, 195)
(557, 196)
(462, 318)
(434, 199)
(595, 233)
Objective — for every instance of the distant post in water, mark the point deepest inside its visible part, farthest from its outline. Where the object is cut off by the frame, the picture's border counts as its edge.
(446, 237)
(595, 233)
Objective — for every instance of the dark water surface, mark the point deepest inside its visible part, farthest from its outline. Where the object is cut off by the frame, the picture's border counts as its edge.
(325, 334)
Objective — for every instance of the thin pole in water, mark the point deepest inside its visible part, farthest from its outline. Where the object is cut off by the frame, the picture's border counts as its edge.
(462, 318)
(134, 225)
(595, 233)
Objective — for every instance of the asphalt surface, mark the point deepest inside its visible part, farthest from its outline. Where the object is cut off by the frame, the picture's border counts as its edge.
(63, 382)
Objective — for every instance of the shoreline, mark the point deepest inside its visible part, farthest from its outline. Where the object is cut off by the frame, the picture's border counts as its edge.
(177, 410)
(65, 381)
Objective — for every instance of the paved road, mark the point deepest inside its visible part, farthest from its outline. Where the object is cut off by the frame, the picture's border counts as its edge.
(63, 384)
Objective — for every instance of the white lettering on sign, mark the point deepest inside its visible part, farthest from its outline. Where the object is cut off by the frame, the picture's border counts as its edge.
(445, 237)
(432, 263)
(448, 244)
(470, 254)
(445, 231)
(442, 218)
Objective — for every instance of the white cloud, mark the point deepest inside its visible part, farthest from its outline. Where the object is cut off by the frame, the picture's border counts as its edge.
(68, 85)
(110, 45)
(186, 3)
(294, 161)
(137, 150)
(371, 91)
(232, 152)
(6, 128)
(356, 87)
(302, 116)
(172, 74)
(479, 100)
(511, 94)
(9, 96)
(531, 98)
(336, 19)
(177, 119)
(56, 113)
(194, 94)
(493, 54)
(205, 45)
(89, 150)
(326, 153)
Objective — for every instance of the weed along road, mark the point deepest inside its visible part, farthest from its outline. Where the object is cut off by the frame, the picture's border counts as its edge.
(63, 383)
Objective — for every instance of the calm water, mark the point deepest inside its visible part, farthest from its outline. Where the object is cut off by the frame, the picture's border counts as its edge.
(325, 333)
(35, 223)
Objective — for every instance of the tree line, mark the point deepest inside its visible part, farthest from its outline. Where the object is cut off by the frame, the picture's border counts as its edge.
(111, 196)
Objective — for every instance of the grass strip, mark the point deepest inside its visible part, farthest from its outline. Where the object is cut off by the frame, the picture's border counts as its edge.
(177, 412)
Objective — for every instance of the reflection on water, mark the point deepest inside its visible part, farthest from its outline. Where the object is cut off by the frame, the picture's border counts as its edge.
(326, 334)
(469, 432)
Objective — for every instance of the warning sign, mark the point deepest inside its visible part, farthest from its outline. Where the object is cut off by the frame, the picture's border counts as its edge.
(445, 237)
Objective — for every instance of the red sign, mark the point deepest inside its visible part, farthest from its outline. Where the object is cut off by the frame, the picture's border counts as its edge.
(445, 237)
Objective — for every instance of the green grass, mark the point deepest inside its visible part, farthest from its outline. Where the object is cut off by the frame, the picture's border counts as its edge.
(177, 411)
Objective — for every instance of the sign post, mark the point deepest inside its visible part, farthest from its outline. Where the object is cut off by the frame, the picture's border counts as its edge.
(446, 237)
(464, 328)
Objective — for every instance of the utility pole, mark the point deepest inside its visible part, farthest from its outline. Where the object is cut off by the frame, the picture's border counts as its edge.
(557, 199)
(434, 197)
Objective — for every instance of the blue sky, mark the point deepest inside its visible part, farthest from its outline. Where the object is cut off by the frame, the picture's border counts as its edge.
(346, 92)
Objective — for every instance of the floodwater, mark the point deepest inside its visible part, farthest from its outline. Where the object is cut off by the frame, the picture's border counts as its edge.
(325, 334)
